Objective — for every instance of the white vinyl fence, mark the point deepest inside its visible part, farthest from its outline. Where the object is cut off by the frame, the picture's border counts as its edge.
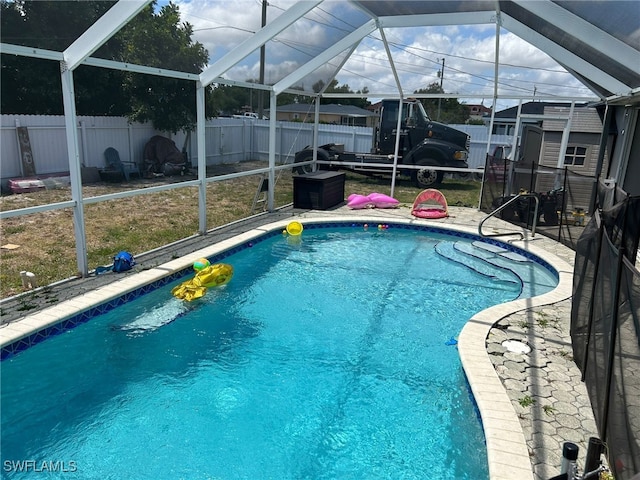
(49, 146)
(228, 140)
(479, 137)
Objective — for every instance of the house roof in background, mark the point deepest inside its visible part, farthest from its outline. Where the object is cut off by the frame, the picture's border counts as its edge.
(530, 108)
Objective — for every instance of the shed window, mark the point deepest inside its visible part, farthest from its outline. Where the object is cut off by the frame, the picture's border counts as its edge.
(575, 155)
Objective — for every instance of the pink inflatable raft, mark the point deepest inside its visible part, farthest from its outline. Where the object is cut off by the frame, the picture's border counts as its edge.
(430, 203)
(373, 200)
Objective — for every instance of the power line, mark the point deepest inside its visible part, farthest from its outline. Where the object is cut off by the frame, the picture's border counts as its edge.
(404, 67)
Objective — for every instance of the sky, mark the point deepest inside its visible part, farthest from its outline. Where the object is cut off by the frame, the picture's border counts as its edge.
(467, 51)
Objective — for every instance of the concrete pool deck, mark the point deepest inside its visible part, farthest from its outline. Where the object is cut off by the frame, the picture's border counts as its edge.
(530, 403)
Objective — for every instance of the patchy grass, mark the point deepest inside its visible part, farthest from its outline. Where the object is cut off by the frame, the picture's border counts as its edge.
(142, 223)
(526, 401)
(544, 320)
(459, 193)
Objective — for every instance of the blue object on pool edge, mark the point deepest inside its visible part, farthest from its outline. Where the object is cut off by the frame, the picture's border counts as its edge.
(451, 341)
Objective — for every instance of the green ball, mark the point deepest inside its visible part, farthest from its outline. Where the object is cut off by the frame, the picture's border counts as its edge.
(200, 264)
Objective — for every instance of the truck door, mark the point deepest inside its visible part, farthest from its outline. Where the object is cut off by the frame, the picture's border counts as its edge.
(388, 124)
(412, 129)
(415, 124)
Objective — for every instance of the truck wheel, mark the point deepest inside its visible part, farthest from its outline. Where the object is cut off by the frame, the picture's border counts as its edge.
(304, 169)
(427, 178)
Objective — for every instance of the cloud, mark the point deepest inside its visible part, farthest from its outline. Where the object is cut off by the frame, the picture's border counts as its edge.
(468, 51)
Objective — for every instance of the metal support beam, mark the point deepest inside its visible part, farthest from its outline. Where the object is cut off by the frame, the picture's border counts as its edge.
(566, 132)
(516, 131)
(69, 102)
(391, 62)
(400, 114)
(326, 56)
(345, 59)
(496, 65)
(565, 57)
(273, 101)
(21, 51)
(131, 67)
(96, 62)
(202, 158)
(604, 141)
(316, 132)
(584, 31)
(298, 10)
(396, 148)
(438, 19)
(102, 30)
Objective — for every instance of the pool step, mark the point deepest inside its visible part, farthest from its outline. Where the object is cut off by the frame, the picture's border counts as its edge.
(479, 265)
(520, 265)
(483, 256)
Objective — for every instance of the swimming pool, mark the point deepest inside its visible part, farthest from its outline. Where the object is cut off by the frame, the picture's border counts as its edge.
(331, 357)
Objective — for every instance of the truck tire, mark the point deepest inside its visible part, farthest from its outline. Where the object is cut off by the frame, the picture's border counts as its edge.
(306, 156)
(426, 178)
(304, 169)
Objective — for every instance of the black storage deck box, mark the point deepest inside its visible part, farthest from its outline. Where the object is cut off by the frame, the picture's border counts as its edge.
(318, 190)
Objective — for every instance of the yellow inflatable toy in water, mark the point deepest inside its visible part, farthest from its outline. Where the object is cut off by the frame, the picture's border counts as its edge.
(209, 277)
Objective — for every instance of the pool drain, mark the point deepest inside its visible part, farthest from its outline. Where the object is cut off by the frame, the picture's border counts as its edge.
(516, 346)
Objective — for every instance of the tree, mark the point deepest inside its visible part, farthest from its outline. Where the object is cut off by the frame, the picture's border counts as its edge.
(227, 100)
(32, 85)
(335, 88)
(288, 98)
(160, 40)
(451, 111)
(152, 38)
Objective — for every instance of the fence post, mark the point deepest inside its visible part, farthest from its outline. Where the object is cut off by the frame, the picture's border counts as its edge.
(130, 141)
(83, 139)
(280, 144)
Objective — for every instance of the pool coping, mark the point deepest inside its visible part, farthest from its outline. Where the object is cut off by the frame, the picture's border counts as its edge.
(507, 452)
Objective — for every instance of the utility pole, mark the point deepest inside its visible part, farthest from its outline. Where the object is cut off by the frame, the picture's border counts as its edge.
(262, 60)
(441, 75)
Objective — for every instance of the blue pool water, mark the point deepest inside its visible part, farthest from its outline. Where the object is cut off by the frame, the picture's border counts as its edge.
(327, 357)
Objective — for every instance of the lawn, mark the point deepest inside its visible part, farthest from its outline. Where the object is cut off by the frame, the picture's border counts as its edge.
(45, 241)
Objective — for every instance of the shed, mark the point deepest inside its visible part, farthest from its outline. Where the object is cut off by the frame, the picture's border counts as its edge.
(580, 156)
